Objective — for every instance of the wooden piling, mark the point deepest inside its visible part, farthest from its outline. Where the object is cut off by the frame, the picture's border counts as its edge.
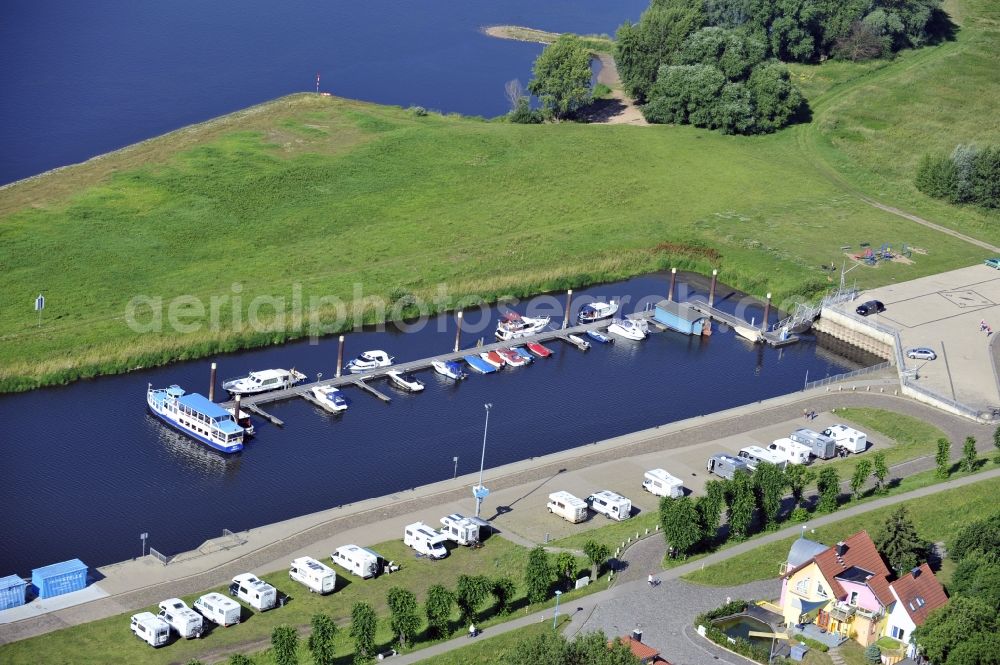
(236, 409)
(707, 328)
(569, 300)
(458, 330)
(340, 355)
(673, 276)
(211, 384)
(767, 310)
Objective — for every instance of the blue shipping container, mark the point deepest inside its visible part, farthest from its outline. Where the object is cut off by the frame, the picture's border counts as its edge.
(12, 592)
(60, 578)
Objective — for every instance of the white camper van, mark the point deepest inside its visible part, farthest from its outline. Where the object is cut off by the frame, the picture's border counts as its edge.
(462, 530)
(151, 629)
(754, 455)
(793, 452)
(357, 560)
(726, 466)
(660, 483)
(425, 540)
(821, 445)
(318, 577)
(567, 506)
(255, 592)
(218, 609)
(181, 618)
(611, 505)
(847, 438)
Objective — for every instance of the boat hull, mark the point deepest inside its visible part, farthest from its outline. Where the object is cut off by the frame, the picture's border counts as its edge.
(214, 445)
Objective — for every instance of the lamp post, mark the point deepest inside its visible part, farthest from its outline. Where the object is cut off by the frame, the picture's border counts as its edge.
(555, 615)
(479, 491)
(143, 536)
(455, 460)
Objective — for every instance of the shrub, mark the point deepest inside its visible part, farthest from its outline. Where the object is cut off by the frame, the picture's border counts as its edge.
(418, 111)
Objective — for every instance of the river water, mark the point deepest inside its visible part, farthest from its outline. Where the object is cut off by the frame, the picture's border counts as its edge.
(82, 78)
(87, 469)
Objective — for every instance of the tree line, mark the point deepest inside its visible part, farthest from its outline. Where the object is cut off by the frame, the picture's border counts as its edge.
(969, 175)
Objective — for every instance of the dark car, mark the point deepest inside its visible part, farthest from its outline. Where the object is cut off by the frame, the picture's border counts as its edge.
(870, 307)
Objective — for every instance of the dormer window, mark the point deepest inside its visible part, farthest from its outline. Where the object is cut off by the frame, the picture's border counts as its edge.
(821, 591)
(802, 586)
(854, 598)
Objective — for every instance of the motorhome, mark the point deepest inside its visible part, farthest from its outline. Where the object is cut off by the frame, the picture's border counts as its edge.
(660, 483)
(317, 577)
(151, 629)
(218, 609)
(820, 445)
(425, 540)
(754, 455)
(462, 530)
(726, 466)
(357, 560)
(847, 438)
(611, 505)
(792, 452)
(255, 592)
(567, 506)
(181, 618)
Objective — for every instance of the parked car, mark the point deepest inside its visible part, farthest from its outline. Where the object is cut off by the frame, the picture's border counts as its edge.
(870, 307)
(993, 263)
(921, 353)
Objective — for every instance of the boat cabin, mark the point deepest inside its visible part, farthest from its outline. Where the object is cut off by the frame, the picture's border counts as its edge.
(679, 316)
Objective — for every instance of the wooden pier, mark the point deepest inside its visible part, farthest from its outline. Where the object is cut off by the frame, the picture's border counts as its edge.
(742, 328)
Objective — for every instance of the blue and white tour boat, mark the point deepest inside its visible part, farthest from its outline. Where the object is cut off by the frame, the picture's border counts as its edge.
(196, 416)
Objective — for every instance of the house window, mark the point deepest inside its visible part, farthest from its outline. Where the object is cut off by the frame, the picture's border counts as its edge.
(821, 591)
(854, 598)
(898, 633)
(802, 586)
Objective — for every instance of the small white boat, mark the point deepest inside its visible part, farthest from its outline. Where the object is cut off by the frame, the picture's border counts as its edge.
(405, 381)
(629, 329)
(369, 360)
(330, 398)
(513, 325)
(580, 342)
(263, 381)
(451, 369)
(243, 420)
(596, 311)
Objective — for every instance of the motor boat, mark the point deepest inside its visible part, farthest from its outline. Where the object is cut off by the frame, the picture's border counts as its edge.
(580, 342)
(330, 398)
(263, 381)
(629, 329)
(600, 337)
(513, 325)
(494, 359)
(405, 381)
(539, 350)
(243, 420)
(524, 353)
(512, 357)
(596, 311)
(480, 365)
(449, 368)
(369, 360)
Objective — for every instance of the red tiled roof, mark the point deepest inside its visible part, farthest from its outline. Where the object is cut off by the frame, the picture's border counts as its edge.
(860, 552)
(641, 651)
(924, 586)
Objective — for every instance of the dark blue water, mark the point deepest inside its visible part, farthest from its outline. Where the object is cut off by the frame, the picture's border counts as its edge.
(86, 469)
(82, 78)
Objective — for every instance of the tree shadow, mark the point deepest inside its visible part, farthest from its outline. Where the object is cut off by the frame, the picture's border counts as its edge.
(600, 110)
(940, 27)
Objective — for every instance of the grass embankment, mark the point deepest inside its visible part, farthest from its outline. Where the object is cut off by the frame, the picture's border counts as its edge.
(937, 518)
(594, 43)
(487, 650)
(110, 641)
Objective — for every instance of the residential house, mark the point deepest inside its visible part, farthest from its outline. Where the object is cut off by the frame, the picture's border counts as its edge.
(645, 653)
(917, 593)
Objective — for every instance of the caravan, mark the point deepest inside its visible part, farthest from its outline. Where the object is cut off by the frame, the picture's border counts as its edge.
(792, 452)
(754, 455)
(425, 540)
(847, 439)
(181, 618)
(660, 483)
(462, 530)
(726, 466)
(567, 506)
(151, 629)
(255, 592)
(218, 609)
(611, 505)
(820, 445)
(317, 577)
(358, 561)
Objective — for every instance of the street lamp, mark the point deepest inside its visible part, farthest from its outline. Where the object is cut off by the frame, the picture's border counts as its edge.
(143, 536)
(555, 615)
(455, 460)
(479, 491)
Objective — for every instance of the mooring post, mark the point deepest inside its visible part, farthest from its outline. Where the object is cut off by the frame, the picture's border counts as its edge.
(767, 310)
(673, 276)
(707, 329)
(211, 384)
(340, 355)
(569, 300)
(458, 330)
(236, 408)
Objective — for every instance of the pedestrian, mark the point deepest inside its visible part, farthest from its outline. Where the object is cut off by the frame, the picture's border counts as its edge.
(805, 413)
(650, 579)
(472, 630)
(982, 325)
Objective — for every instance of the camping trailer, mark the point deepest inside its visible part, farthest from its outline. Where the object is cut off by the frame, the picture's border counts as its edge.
(317, 577)
(793, 452)
(255, 592)
(847, 438)
(357, 560)
(820, 445)
(611, 505)
(151, 629)
(754, 455)
(425, 540)
(181, 618)
(218, 609)
(726, 466)
(462, 530)
(567, 506)
(660, 483)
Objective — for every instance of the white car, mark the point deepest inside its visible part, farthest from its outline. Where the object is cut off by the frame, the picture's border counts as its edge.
(921, 353)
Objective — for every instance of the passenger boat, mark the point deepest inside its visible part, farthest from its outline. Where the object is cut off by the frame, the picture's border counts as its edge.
(494, 359)
(525, 353)
(539, 350)
(480, 365)
(512, 357)
(449, 368)
(596, 311)
(583, 344)
(600, 337)
(369, 360)
(243, 420)
(513, 325)
(196, 416)
(406, 382)
(263, 381)
(629, 329)
(330, 398)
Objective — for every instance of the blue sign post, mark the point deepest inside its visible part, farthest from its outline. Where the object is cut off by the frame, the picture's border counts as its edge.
(39, 306)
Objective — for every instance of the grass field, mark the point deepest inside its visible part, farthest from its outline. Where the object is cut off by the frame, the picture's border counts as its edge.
(492, 649)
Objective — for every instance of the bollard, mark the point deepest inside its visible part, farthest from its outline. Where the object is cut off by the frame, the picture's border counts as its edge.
(458, 331)
(211, 385)
(569, 301)
(340, 355)
(767, 310)
(657, 527)
(673, 276)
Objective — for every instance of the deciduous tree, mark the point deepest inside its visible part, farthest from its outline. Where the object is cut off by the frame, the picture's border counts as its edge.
(680, 524)
(942, 459)
(828, 484)
(504, 589)
(710, 506)
(741, 505)
(769, 485)
(963, 619)
(364, 622)
(321, 640)
(996, 444)
(240, 659)
(285, 645)
(597, 554)
(562, 76)
(969, 455)
(862, 471)
(403, 619)
(797, 479)
(566, 567)
(538, 575)
(438, 609)
(881, 472)
(470, 593)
